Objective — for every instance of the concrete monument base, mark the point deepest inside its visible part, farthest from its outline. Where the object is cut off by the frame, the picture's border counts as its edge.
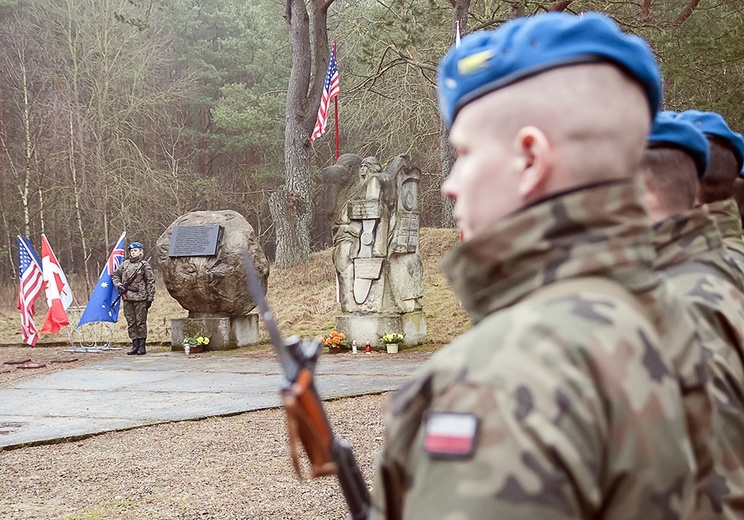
(224, 332)
(369, 327)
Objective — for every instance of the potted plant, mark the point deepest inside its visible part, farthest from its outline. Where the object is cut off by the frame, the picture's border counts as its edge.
(391, 341)
(335, 341)
(196, 343)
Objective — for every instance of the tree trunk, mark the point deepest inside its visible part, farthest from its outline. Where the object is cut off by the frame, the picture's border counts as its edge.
(447, 153)
(447, 156)
(76, 192)
(291, 207)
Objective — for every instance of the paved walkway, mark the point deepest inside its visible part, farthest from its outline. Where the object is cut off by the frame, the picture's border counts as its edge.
(128, 391)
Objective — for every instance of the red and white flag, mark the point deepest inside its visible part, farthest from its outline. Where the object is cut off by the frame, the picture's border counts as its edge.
(58, 293)
(30, 285)
(331, 89)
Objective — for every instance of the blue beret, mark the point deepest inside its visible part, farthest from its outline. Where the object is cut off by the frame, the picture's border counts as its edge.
(670, 131)
(711, 123)
(135, 245)
(523, 47)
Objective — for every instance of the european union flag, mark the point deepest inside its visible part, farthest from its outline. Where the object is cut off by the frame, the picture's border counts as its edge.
(100, 306)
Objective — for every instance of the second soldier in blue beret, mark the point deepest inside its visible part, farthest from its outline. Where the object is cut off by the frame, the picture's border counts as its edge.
(690, 251)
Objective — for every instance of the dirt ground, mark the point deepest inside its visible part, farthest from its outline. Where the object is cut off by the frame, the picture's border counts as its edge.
(235, 467)
(52, 358)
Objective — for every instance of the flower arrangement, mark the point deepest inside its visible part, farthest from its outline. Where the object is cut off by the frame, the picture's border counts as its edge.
(392, 337)
(197, 340)
(195, 343)
(335, 339)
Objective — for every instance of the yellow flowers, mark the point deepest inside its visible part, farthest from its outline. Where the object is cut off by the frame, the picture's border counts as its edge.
(393, 337)
(197, 340)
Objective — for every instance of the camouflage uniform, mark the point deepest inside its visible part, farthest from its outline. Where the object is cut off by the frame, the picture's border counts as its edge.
(579, 414)
(691, 253)
(728, 220)
(136, 302)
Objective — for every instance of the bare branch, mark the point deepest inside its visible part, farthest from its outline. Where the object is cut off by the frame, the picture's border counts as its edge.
(646, 10)
(560, 6)
(686, 13)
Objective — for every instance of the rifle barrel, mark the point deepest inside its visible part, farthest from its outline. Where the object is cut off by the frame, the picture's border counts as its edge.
(254, 286)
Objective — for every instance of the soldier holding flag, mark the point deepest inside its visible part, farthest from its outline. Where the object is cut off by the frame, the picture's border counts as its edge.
(135, 282)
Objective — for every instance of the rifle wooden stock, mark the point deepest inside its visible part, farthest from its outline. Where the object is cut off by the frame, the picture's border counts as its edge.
(306, 423)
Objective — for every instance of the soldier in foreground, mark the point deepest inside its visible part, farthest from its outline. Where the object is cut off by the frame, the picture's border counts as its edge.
(717, 188)
(135, 282)
(559, 403)
(690, 252)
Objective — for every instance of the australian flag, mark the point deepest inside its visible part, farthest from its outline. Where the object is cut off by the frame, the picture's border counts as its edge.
(100, 306)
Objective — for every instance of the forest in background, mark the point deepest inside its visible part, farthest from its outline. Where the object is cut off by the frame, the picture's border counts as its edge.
(125, 114)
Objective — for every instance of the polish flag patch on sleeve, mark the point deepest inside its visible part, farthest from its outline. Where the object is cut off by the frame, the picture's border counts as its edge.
(450, 435)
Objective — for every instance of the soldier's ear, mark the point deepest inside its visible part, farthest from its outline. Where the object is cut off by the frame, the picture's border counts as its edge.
(536, 161)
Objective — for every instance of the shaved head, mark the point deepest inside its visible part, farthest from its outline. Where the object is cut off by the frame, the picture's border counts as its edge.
(595, 117)
(670, 178)
(723, 169)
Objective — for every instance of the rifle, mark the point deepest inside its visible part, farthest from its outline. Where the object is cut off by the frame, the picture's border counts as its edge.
(306, 418)
(129, 280)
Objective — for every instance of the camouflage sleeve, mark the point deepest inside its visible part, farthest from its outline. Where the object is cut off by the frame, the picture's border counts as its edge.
(149, 282)
(719, 327)
(116, 277)
(538, 448)
(574, 420)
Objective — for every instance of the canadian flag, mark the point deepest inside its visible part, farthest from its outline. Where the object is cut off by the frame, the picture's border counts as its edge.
(58, 293)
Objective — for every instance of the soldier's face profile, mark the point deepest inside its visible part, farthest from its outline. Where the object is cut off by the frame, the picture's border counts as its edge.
(484, 179)
(135, 252)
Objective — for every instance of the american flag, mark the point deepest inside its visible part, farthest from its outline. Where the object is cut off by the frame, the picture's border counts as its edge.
(330, 91)
(30, 286)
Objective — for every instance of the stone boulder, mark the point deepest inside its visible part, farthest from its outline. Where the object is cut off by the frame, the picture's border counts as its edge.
(213, 285)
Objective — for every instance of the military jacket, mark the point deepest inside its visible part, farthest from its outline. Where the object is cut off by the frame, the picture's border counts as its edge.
(728, 220)
(691, 252)
(143, 281)
(578, 413)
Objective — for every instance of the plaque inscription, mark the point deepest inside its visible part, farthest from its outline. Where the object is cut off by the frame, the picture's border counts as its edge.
(195, 241)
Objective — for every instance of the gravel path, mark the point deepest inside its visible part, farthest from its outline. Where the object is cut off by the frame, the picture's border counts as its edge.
(220, 468)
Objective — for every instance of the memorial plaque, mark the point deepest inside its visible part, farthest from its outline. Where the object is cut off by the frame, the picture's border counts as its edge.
(364, 209)
(195, 241)
(407, 233)
(368, 268)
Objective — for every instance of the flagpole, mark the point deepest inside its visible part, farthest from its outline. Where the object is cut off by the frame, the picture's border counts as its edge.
(335, 111)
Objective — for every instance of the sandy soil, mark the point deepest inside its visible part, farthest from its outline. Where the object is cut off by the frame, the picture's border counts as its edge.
(221, 468)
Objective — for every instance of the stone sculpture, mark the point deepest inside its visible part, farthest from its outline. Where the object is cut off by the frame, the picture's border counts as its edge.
(374, 217)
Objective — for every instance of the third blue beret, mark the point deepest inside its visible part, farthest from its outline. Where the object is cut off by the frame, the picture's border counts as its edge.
(670, 131)
(523, 47)
(711, 123)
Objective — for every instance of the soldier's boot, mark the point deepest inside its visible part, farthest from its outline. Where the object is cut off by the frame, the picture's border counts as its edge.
(135, 347)
(141, 350)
